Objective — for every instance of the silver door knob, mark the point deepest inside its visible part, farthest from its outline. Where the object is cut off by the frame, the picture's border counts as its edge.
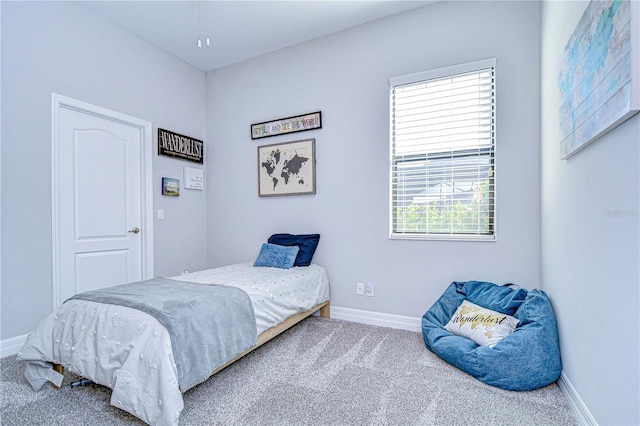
(134, 230)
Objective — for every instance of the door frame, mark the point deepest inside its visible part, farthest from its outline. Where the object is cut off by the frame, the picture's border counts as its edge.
(59, 102)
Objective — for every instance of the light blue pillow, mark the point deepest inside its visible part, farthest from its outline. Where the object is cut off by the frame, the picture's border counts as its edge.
(275, 256)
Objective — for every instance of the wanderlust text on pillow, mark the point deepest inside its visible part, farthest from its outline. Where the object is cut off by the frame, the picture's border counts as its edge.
(483, 326)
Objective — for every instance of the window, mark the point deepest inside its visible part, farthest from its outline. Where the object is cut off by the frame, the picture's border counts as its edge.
(443, 153)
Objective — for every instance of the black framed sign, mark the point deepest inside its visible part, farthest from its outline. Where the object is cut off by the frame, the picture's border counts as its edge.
(180, 146)
(282, 126)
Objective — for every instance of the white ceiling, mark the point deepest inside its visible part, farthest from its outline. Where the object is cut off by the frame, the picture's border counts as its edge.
(238, 29)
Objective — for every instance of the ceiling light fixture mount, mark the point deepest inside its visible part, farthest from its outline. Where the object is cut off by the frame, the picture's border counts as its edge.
(207, 41)
(203, 23)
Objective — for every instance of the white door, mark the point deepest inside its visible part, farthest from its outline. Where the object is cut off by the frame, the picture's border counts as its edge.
(99, 198)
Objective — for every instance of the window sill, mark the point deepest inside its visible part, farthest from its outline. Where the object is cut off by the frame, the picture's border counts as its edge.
(443, 237)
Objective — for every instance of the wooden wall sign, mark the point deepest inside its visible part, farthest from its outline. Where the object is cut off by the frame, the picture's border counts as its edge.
(282, 126)
(180, 146)
(599, 73)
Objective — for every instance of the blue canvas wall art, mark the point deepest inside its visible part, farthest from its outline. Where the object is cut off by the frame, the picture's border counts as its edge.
(599, 73)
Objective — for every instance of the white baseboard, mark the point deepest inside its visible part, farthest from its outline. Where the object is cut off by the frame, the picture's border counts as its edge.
(578, 407)
(377, 318)
(12, 346)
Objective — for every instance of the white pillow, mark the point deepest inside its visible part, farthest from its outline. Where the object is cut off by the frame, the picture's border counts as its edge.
(483, 326)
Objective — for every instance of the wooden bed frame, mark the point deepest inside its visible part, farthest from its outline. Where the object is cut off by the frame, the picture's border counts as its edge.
(269, 334)
(264, 337)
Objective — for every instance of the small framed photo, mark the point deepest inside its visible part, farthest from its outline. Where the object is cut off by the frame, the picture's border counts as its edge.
(170, 187)
(287, 168)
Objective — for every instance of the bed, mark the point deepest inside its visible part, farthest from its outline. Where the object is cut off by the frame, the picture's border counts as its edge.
(134, 354)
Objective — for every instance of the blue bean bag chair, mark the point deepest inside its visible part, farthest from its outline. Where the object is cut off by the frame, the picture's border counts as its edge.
(527, 359)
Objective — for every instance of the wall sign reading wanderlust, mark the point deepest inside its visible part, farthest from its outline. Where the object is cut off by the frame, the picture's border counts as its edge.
(180, 146)
(282, 126)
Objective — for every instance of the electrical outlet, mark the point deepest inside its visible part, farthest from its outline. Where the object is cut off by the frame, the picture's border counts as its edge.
(370, 289)
(360, 288)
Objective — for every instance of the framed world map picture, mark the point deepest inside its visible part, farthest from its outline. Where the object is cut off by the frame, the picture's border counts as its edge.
(287, 168)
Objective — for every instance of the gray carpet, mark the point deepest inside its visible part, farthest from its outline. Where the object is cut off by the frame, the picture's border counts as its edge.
(320, 372)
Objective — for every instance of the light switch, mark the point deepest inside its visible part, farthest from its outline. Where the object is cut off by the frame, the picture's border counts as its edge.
(160, 214)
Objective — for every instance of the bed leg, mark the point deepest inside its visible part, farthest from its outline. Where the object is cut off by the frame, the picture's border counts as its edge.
(60, 369)
(325, 311)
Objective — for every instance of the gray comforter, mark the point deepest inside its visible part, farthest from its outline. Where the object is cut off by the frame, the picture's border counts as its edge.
(209, 324)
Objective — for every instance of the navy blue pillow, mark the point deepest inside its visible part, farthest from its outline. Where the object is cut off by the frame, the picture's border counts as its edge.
(307, 244)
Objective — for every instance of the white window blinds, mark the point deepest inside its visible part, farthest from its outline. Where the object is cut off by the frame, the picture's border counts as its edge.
(442, 153)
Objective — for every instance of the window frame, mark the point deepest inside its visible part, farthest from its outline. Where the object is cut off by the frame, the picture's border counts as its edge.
(423, 76)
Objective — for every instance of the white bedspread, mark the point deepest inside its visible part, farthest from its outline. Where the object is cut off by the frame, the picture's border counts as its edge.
(130, 351)
(276, 294)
